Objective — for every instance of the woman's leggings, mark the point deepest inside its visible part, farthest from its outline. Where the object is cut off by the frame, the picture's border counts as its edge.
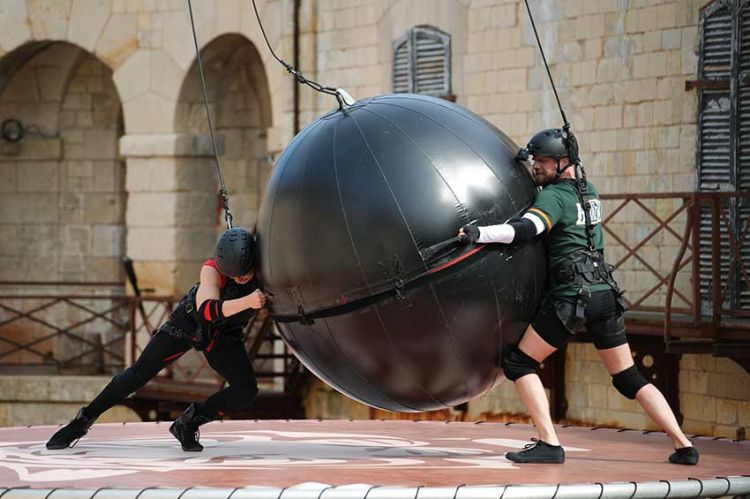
(229, 359)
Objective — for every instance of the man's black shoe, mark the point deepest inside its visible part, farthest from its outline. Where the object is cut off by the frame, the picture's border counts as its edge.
(71, 432)
(185, 429)
(685, 455)
(538, 452)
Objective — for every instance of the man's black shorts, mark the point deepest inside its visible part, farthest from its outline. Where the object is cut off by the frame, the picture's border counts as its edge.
(604, 321)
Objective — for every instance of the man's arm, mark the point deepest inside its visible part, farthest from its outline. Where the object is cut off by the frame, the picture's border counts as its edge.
(523, 230)
(211, 308)
(541, 217)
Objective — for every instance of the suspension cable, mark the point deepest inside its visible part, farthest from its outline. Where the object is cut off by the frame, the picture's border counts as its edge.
(223, 189)
(546, 66)
(571, 144)
(342, 97)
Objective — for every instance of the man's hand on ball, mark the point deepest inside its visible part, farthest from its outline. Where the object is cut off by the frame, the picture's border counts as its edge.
(468, 234)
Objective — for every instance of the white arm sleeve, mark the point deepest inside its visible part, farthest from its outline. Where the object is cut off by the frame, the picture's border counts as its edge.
(506, 233)
(502, 233)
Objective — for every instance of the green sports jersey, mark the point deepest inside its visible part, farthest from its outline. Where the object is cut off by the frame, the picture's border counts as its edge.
(559, 207)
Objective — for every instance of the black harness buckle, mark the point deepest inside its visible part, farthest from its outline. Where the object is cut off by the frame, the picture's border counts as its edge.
(174, 331)
(398, 287)
(584, 298)
(303, 318)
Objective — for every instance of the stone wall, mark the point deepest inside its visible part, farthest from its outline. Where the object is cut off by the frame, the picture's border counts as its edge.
(62, 202)
(45, 400)
(714, 397)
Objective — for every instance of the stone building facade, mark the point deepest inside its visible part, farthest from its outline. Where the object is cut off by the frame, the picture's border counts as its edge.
(116, 160)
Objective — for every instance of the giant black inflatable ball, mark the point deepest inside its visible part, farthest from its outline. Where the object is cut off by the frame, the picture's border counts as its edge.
(347, 232)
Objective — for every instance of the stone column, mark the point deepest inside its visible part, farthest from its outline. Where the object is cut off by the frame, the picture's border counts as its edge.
(172, 210)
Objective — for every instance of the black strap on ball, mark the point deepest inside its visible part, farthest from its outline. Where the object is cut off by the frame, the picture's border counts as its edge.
(397, 289)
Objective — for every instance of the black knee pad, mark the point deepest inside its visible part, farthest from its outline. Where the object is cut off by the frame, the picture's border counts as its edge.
(629, 381)
(130, 380)
(517, 364)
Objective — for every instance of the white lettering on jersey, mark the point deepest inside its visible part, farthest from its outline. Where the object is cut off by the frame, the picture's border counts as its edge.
(595, 213)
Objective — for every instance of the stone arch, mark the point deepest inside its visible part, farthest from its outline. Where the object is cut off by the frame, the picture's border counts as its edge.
(63, 194)
(240, 103)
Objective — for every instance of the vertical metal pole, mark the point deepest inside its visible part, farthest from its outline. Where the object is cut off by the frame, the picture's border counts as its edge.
(697, 304)
(715, 263)
(560, 402)
(689, 223)
(130, 340)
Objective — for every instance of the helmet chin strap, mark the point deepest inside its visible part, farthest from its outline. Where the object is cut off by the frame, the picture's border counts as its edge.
(559, 171)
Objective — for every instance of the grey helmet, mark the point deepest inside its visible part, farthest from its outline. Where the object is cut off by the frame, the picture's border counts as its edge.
(549, 142)
(235, 252)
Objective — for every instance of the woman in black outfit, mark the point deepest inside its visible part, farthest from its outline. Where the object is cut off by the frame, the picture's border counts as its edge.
(211, 318)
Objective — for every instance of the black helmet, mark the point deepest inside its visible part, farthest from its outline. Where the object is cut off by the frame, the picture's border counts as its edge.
(550, 142)
(235, 252)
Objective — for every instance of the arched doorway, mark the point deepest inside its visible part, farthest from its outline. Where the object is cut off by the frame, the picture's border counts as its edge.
(240, 106)
(62, 201)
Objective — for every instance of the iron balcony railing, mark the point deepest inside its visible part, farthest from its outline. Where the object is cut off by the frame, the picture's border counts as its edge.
(101, 334)
(685, 258)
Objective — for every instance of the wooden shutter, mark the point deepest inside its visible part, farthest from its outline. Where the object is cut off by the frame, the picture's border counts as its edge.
(422, 62)
(714, 119)
(743, 154)
(402, 81)
(715, 170)
(433, 65)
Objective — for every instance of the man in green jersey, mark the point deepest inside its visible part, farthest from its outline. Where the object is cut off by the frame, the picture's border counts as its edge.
(581, 293)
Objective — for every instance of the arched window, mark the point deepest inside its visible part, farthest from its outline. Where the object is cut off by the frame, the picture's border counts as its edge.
(422, 62)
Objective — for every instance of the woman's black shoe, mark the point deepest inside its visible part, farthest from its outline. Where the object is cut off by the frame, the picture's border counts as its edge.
(185, 429)
(71, 432)
(538, 452)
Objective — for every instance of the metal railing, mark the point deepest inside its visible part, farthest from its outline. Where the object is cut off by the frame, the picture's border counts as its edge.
(101, 334)
(704, 290)
(63, 331)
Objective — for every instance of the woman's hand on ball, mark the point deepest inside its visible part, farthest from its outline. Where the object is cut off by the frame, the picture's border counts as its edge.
(256, 299)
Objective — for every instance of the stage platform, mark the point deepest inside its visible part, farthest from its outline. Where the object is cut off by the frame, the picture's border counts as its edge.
(306, 459)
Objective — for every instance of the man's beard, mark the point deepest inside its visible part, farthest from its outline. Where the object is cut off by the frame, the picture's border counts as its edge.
(541, 180)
